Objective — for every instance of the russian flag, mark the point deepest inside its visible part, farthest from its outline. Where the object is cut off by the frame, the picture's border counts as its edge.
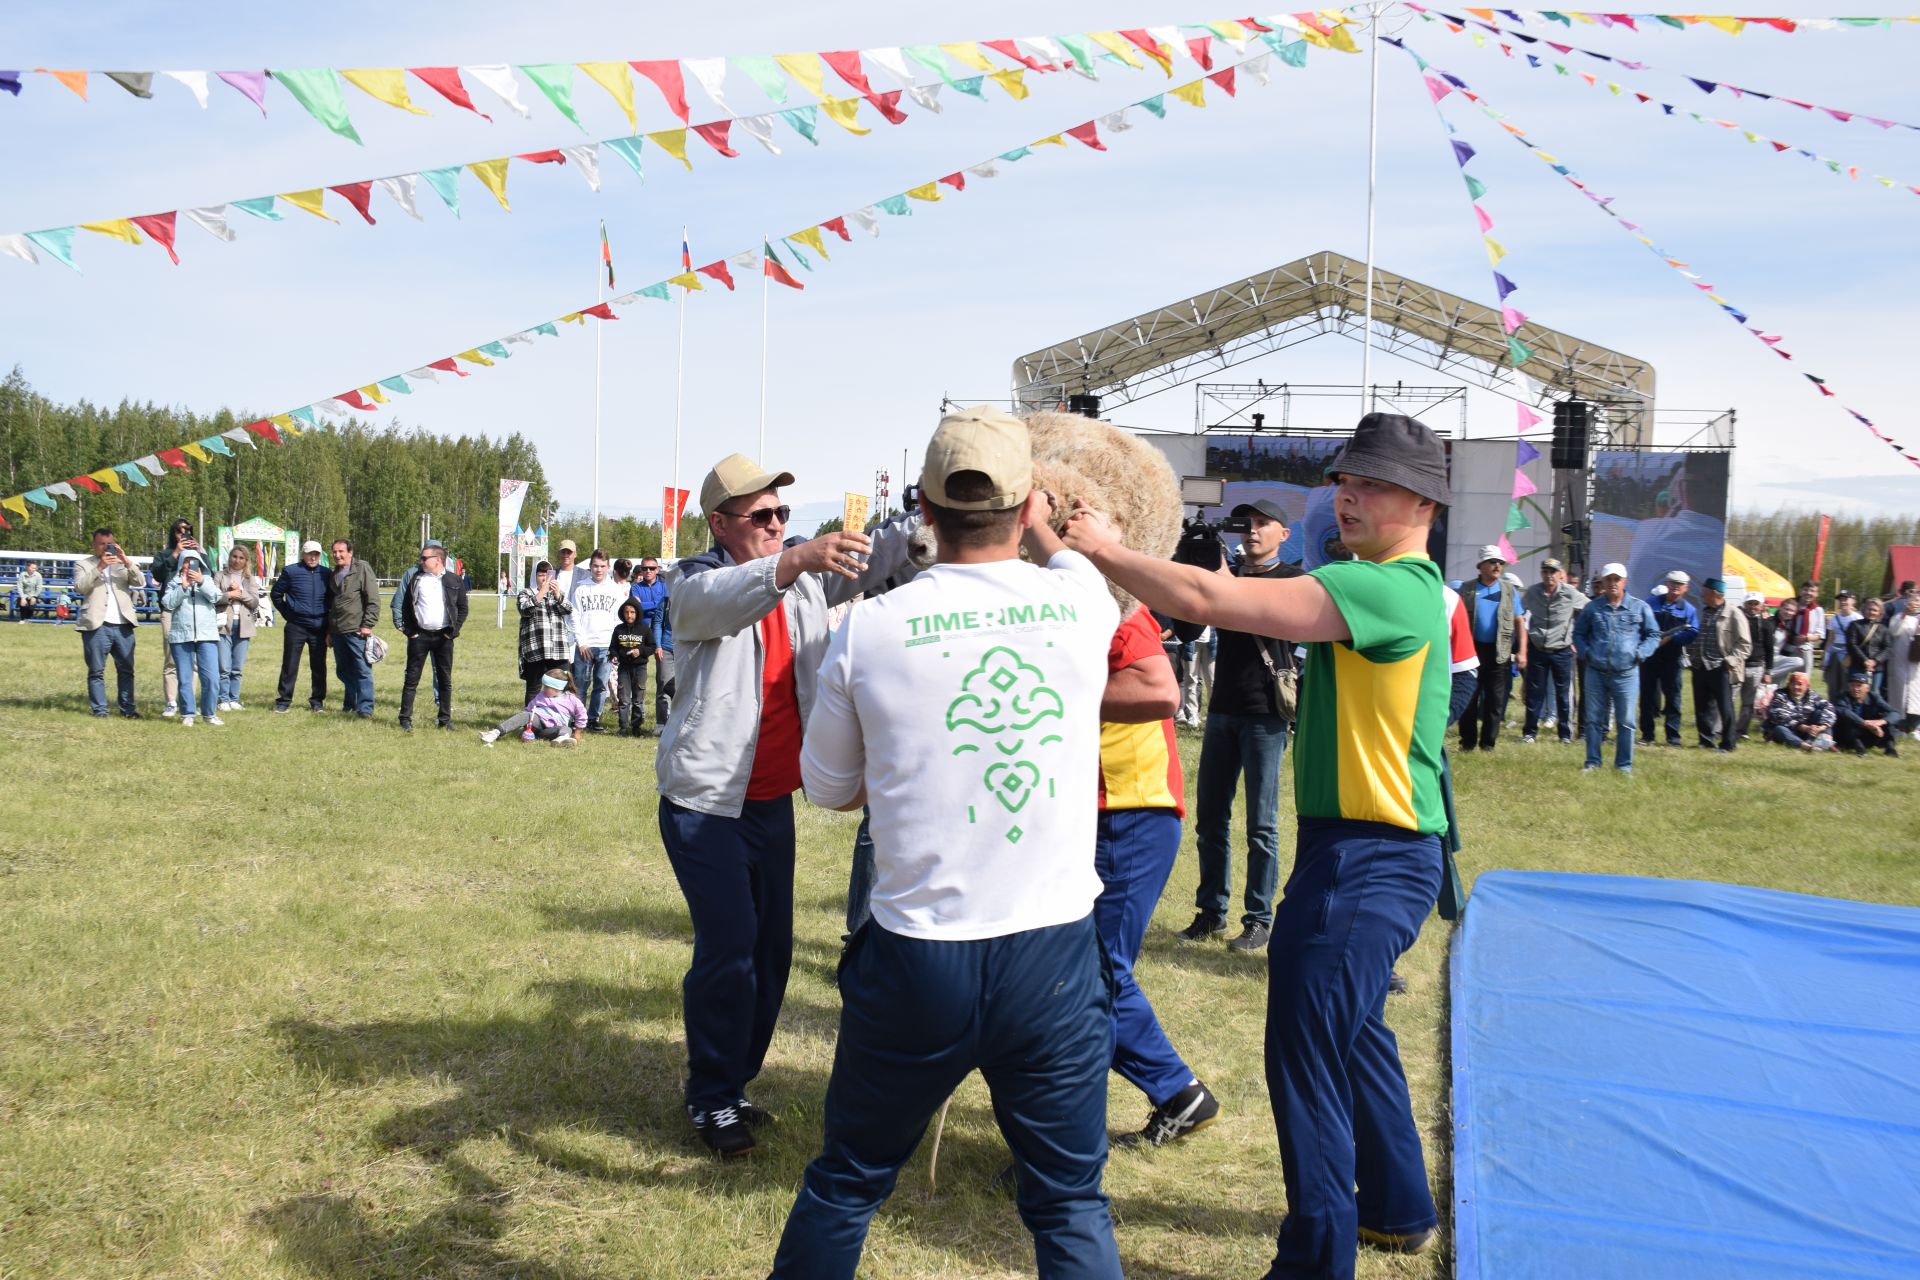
(686, 252)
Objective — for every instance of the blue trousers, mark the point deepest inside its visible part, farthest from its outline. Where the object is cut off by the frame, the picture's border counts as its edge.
(114, 638)
(233, 661)
(1549, 673)
(1133, 851)
(355, 672)
(737, 877)
(593, 672)
(1232, 745)
(203, 656)
(1030, 1012)
(1615, 692)
(1355, 901)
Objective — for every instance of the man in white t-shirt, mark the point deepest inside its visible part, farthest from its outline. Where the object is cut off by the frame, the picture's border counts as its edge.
(596, 600)
(964, 709)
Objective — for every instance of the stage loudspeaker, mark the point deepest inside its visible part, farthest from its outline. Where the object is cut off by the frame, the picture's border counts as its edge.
(1084, 404)
(1572, 421)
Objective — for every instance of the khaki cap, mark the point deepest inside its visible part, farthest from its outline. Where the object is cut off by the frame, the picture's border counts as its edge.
(736, 475)
(983, 439)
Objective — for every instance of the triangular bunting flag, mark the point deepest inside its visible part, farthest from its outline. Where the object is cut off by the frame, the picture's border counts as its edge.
(613, 77)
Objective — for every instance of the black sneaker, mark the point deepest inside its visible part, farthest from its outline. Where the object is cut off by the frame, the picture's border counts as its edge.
(281, 708)
(1191, 1109)
(755, 1116)
(130, 715)
(406, 726)
(1252, 937)
(594, 726)
(1204, 926)
(724, 1131)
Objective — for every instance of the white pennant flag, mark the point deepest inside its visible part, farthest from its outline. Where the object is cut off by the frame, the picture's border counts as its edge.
(761, 127)
(868, 220)
(63, 490)
(1031, 47)
(240, 435)
(151, 465)
(712, 75)
(748, 261)
(1047, 49)
(1116, 122)
(587, 158)
(892, 61)
(401, 187)
(1260, 68)
(522, 336)
(1170, 36)
(213, 219)
(17, 246)
(986, 170)
(431, 375)
(499, 78)
(927, 95)
(195, 81)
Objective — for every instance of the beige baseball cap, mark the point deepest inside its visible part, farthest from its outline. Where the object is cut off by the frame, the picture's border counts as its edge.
(736, 475)
(568, 544)
(983, 439)
(311, 546)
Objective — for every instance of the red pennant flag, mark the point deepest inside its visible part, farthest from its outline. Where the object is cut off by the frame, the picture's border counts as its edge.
(542, 157)
(85, 482)
(600, 311)
(359, 195)
(672, 84)
(445, 81)
(1783, 146)
(1249, 22)
(888, 105)
(717, 271)
(1088, 134)
(1224, 78)
(4, 524)
(846, 65)
(354, 400)
(160, 227)
(958, 181)
(448, 366)
(178, 458)
(1147, 45)
(714, 134)
(770, 266)
(1778, 24)
(1201, 47)
(1643, 97)
(838, 226)
(1009, 49)
(266, 429)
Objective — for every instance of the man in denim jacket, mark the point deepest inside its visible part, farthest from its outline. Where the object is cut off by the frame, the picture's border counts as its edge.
(1615, 633)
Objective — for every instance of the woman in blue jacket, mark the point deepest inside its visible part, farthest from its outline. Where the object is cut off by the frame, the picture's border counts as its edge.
(193, 634)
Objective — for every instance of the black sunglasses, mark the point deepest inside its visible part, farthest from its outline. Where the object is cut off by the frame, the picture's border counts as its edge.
(762, 517)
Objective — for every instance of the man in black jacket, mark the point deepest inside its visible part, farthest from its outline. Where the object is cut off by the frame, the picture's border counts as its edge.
(1759, 664)
(1863, 718)
(303, 596)
(432, 607)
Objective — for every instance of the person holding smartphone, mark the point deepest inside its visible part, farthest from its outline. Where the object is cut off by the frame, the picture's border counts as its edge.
(192, 605)
(105, 582)
(165, 564)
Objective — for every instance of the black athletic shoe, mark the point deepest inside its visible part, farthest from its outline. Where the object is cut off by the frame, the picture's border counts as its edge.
(406, 726)
(1396, 985)
(1204, 926)
(1191, 1109)
(594, 726)
(130, 715)
(1252, 937)
(724, 1131)
(754, 1116)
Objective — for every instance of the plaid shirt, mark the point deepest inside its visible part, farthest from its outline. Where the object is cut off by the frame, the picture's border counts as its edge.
(546, 630)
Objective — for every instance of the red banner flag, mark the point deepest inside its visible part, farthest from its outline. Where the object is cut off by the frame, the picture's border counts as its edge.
(673, 506)
(672, 84)
(359, 195)
(160, 227)
(717, 271)
(445, 81)
(839, 227)
(1820, 545)
(173, 458)
(714, 134)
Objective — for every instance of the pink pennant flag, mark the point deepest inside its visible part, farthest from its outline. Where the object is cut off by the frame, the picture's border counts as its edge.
(1486, 222)
(251, 83)
(1512, 318)
(1223, 78)
(1438, 88)
(1528, 418)
(1506, 549)
(1522, 487)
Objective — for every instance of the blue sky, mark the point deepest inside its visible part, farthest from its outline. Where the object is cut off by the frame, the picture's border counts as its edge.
(942, 302)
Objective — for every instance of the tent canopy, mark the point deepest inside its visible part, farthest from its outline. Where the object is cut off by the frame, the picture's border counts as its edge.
(1903, 565)
(1771, 586)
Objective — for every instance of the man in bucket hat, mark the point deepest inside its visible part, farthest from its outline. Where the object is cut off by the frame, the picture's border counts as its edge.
(1373, 715)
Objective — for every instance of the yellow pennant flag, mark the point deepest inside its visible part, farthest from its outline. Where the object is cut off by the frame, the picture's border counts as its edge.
(1495, 250)
(19, 505)
(108, 477)
(373, 392)
(688, 280)
(673, 142)
(308, 200)
(843, 112)
(1342, 41)
(1732, 26)
(1193, 92)
(476, 357)
(1581, 17)
(613, 77)
(1314, 37)
(1056, 139)
(194, 450)
(285, 421)
(1119, 46)
(118, 228)
(494, 174)
(1014, 82)
(573, 317)
(930, 191)
(967, 53)
(811, 238)
(1544, 156)
(806, 69)
(387, 84)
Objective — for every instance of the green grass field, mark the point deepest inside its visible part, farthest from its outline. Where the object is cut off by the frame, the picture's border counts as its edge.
(304, 996)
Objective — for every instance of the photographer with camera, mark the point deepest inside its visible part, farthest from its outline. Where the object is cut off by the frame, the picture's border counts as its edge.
(165, 565)
(105, 582)
(1246, 736)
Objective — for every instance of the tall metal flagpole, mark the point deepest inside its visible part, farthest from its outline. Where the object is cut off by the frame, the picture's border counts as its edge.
(599, 295)
(679, 396)
(1373, 168)
(766, 289)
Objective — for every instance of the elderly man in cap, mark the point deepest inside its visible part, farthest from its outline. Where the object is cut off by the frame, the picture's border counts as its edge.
(1499, 641)
(1550, 607)
(1679, 623)
(1862, 718)
(750, 622)
(303, 597)
(1373, 714)
(1718, 658)
(1615, 633)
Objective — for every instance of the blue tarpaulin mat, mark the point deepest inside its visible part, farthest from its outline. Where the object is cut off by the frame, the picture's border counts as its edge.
(1659, 1078)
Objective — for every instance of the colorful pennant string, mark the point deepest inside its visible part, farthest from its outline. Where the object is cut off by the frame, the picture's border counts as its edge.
(1682, 21)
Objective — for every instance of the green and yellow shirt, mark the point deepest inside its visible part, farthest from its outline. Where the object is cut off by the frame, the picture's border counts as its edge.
(1373, 709)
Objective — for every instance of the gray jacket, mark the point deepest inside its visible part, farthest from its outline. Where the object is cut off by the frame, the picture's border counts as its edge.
(706, 752)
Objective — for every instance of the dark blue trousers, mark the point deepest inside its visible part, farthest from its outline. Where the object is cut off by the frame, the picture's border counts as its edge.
(1030, 1011)
(1357, 897)
(1134, 852)
(737, 877)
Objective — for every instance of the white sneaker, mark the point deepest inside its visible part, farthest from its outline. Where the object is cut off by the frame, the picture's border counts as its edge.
(171, 712)
(489, 736)
(215, 720)
(186, 722)
(225, 706)
(236, 706)
(568, 741)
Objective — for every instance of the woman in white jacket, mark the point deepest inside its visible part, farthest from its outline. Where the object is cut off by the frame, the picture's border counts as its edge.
(1903, 667)
(193, 634)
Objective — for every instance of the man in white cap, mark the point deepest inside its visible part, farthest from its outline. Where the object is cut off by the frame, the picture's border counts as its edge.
(1660, 682)
(1500, 642)
(750, 622)
(1615, 633)
(1550, 605)
(964, 709)
(303, 597)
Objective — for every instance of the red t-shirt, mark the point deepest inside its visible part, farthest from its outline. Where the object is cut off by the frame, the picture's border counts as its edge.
(776, 755)
(1139, 763)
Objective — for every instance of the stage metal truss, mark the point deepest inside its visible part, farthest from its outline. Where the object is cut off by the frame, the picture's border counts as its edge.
(1325, 293)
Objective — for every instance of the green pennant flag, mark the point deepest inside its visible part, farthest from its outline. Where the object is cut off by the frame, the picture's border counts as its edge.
(1016, 154)
(498, 350)
(556, 81)
(1519, 351)
(305, 414)
(546, 326)
(215, 444)
(627, 149)
(929, 57)
(397, 383)
(1294, 52)
(798, 256)
(1156, 104)
(318, 90)
(260, 207)
(1517, 519)
(897, 206)
(1475, 187)
(1083, 54)
(972, 84)
(764, 72)
(133, 472)
(652, 291)
(804, 120)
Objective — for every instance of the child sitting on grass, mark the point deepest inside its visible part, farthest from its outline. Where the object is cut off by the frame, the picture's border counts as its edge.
(555, 714)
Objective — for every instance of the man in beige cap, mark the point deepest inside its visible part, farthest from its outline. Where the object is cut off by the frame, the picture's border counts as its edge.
(963, 709)
(749, 620)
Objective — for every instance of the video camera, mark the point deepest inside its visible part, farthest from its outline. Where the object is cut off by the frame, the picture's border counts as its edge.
(1202, 542)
